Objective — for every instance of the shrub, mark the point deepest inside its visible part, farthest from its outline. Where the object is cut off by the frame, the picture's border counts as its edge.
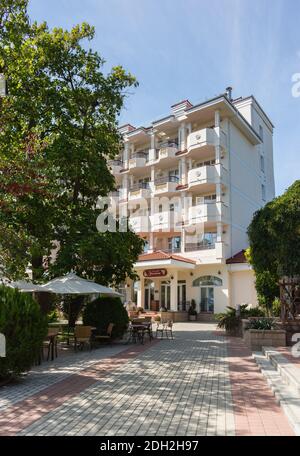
(105, 310)
(254, 312)
(192, 309)
(262, 323)
(24, 328)
(229, 320)
(276, 307)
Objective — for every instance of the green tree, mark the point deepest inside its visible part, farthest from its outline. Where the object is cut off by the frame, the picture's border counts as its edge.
(58, 127)
(274, 235)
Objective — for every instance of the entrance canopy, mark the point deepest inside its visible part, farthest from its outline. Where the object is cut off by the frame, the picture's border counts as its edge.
(163, 259)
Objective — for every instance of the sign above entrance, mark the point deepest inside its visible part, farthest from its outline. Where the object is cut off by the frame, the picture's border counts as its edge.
(155, 273)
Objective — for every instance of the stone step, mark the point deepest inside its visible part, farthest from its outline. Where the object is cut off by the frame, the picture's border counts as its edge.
(285, 395)
(287, 370)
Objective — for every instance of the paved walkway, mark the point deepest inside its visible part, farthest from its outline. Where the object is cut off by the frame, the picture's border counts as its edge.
(201, 383)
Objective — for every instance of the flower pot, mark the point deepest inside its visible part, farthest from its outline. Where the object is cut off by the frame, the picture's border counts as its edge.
(192, 317)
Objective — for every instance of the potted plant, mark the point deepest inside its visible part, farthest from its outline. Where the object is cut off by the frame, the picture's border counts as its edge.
(192, 311)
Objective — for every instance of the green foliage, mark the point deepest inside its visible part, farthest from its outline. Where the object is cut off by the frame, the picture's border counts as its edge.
(53, 316)
(267, 288)
(276, 308)
(262, 323)
(24, 327)
(58, 127)
(274, 235)
(230, 321)
(104, 310)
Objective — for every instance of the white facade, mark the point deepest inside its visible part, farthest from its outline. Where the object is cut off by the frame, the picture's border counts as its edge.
(190, 184)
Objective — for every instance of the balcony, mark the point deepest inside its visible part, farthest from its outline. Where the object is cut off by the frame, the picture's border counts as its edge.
(196, 246)
(201, 138)
(203, 176)
(165, 221)
(139, 191)
(115, 166)
(140, 224)
(167, 150)
(166, 184)
(208, 212)
(138, 160)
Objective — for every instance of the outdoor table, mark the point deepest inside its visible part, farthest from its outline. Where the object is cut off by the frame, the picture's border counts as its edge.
(138, 330)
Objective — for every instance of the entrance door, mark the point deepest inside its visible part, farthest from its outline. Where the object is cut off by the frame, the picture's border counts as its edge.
(165, 295)
(148, 294)
(207, 299)
(181, 295)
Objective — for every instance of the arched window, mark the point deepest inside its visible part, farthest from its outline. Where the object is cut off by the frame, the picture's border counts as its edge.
(206, 281)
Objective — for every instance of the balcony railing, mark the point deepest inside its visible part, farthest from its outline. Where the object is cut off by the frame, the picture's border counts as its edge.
(166, 180)
(138, 186)
(193, 247)
(140, 154)
(115, 163)
(169, 250)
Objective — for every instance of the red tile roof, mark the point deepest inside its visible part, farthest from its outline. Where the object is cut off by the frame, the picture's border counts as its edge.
(237, 258)
(160, 255)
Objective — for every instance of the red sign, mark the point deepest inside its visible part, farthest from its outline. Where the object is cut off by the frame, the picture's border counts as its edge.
(155, 273)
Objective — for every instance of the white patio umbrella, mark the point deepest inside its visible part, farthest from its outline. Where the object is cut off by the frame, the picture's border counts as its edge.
(72, 284)
(24, 286)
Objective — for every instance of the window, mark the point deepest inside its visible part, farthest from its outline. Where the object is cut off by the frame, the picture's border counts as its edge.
(262, 163)
(205, 163)
(207, 281)
(146, 246)
(261, 133)
(174, 243)
(263, 192)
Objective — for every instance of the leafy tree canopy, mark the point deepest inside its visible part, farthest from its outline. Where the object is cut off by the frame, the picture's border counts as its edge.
(274, 235)
(58, 127)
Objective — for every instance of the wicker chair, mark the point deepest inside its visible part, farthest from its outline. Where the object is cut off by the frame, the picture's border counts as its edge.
(108, 336)
(82, 336)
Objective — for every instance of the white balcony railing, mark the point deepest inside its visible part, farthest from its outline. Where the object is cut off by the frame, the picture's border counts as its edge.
(166, 184)
(207, 174)
(201, 213)
(165, 221)
(167, 151)
(200, 138)
(138, 160)
(115, 166)
(139, 191)
(140, 224)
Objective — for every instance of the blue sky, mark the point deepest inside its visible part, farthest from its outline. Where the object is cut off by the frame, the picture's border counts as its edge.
(193, 49)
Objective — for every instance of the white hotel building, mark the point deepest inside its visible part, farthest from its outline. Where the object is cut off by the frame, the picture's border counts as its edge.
(190, 183)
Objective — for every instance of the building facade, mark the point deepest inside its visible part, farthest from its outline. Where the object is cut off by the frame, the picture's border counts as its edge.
(190, 183)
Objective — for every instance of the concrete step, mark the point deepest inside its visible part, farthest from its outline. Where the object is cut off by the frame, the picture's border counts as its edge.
(287, 370)
(286, 396)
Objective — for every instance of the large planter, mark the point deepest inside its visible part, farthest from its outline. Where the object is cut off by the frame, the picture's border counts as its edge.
(192, 317)
(255, 339)
(174, 316)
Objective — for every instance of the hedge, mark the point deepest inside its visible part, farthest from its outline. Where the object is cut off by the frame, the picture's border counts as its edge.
(24, 328)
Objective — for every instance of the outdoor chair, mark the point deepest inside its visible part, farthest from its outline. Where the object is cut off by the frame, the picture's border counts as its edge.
(107, 336)
(82, 336)
(165, 328)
